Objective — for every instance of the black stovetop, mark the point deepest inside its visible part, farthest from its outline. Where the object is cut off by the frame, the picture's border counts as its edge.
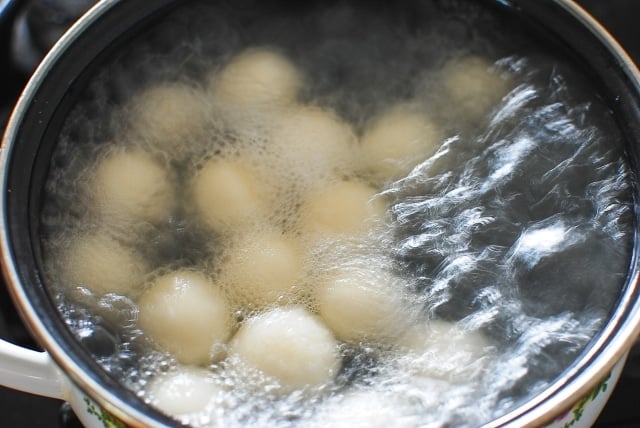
(23, 410)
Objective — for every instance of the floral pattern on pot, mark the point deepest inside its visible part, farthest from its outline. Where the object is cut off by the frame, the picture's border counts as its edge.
(574, 416)
(106, 418)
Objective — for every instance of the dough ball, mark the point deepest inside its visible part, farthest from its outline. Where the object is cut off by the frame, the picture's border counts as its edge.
(397, 141)
(363, 408)
(362, 305)
(181, 392)
(289, 344)
(169, 117)
(228, 194)
(473, 87)
(439, 349)
(185, 314)
(263, 268)
(103, 265)
(313, 144)
(131, 186)
(342, 208)
(257, 77)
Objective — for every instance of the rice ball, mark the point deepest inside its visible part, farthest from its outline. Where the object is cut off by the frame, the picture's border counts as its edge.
(473, 87)
(290, 345)
(441, 350)
(104, 265)
(132, 186)
(228, 194)
(362, 305)
(186, 314)
(363, 408)
(181, 392)
(263, 268)
(396, 141)
(169, 117)
(257, 77)
(342, 208)
(313, 144)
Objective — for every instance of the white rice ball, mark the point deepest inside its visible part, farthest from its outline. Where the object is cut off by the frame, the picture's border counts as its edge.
(257, 77)
(473, 87)
(263, 268)
(186, 314)
(184, 391)
(104, 265)
(313, 144)
(362, 305)
(290, 345)
(132, 186)
(342, 208)
(441, 350)
(228, 194)
(363, 408)
(396, 141)
(169, 117)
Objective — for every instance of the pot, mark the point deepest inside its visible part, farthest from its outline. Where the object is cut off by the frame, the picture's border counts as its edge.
(68, 372)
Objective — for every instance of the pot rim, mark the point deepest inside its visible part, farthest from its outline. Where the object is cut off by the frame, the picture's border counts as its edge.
(612, 344)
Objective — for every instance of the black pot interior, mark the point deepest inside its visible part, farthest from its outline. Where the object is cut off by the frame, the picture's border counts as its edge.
(65, 81)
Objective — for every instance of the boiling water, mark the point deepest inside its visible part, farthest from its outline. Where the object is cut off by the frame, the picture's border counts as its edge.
(516, 229)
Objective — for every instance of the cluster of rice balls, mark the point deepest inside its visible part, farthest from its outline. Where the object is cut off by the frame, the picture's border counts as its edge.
(294, 179)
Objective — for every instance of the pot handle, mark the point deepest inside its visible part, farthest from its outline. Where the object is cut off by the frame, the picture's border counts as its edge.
(31, 371)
